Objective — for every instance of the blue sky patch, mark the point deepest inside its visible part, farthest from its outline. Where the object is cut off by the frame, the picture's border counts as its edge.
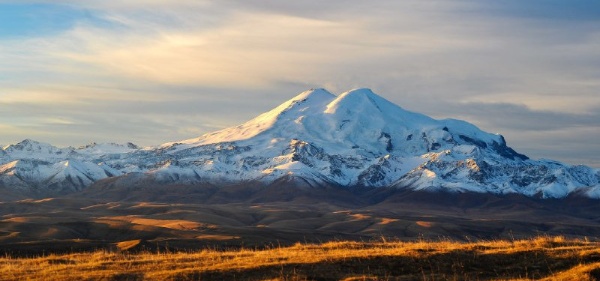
(36, 20)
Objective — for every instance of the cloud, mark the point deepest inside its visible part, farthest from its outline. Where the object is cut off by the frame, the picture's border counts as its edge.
(521, 117)
(115, 67)
(574, 145)
(554, 10)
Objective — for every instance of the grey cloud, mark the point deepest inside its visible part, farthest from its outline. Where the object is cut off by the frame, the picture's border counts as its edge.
(521, 117)
(574, 10)
(87, 128)
(173, 113)
(574, 145)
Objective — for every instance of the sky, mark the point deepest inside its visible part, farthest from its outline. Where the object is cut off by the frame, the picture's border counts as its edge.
(155, 71)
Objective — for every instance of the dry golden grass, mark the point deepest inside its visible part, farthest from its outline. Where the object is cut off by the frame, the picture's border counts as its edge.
(549, 258)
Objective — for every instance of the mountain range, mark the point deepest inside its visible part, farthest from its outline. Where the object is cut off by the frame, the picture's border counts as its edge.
(318, 167)
(354, 140)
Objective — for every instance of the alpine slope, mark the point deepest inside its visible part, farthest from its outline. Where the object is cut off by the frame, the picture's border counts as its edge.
(354, 140)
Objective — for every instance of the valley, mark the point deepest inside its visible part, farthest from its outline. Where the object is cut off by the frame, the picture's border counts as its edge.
(237, 217)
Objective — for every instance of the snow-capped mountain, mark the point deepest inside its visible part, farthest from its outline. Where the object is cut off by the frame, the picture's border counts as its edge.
(356, 139)
(37, 168)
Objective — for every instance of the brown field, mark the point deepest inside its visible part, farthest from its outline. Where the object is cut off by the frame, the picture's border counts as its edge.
(545, 258)
(189, 233)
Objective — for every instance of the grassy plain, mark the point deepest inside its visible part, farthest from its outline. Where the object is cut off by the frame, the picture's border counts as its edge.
(545, 258)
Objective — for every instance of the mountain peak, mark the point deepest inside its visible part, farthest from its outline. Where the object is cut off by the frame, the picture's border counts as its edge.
(355, 139)
(358, 117)
(361, 91)
(318, 93)
(29, 144)
(306, 103)
(107, 148)
(362, 95)
(355, 100)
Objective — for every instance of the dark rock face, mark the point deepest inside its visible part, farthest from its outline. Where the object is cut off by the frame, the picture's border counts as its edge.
(507, 152)
(501, 148)
(305, 152)
(478, 143)
(132, 146)
(388, 141)
(375, 174)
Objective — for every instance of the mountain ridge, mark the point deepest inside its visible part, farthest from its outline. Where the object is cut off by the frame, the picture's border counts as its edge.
(354, 139)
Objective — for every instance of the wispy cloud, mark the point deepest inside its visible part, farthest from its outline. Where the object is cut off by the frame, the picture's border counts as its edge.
(111, 68)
